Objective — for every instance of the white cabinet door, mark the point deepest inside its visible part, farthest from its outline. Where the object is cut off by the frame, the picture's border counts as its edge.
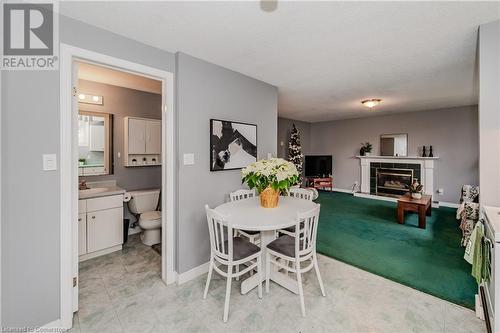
(82, 234)
(153, 137)
(96, 138)
(104, 229)
(136, 136)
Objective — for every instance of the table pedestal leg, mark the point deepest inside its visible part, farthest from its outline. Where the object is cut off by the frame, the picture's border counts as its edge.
(282, 279)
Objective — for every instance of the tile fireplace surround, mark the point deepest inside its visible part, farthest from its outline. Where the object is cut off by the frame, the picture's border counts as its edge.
(426, 170)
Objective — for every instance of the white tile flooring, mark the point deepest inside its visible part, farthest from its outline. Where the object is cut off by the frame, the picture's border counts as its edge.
(123, 292)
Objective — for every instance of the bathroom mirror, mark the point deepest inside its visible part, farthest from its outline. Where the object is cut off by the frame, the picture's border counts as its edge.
(394, 144)
(94, 143)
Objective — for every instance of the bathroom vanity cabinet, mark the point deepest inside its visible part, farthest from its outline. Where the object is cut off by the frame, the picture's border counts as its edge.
(142, 139)
(100, 226)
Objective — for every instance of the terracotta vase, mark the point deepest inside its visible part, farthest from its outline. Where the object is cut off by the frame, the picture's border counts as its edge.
(269, 198)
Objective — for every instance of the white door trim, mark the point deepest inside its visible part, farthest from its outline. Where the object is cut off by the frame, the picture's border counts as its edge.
(69, 165)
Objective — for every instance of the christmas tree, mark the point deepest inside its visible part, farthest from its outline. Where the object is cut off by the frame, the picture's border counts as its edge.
(295, 151)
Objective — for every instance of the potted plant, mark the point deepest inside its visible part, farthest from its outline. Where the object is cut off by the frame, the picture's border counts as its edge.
(270, 178)
(366, 149)
(415, 189)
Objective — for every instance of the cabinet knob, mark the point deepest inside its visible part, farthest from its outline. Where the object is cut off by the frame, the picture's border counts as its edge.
(79, 220)
(93, 217)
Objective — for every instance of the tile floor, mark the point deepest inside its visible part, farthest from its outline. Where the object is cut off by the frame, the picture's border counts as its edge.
(123, 292)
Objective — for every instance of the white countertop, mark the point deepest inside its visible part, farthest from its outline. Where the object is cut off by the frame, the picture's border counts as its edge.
(493, 216)
(103, 189)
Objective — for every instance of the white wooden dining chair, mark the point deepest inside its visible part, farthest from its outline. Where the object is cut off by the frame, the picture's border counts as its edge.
(253, 236)
(297, 249)
(231, 252)
(299, 193)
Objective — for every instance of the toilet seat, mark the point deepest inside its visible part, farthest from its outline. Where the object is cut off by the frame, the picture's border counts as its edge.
(153, 215)
(150, 220)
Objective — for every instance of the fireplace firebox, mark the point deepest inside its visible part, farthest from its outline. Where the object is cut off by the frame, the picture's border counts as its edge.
(393, 182)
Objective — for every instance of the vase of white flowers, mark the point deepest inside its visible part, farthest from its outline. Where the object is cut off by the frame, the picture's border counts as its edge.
(270, 178)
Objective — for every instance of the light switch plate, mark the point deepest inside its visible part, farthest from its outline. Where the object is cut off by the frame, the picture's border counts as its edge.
(188, 159)
(49, 162)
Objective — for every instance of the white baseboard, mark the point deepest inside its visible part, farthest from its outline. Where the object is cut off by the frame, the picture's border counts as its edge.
(53, 326)
(99, 253)
(336, 189)
(193, 273)
(448, 204)
(435, 204)
(376, 197)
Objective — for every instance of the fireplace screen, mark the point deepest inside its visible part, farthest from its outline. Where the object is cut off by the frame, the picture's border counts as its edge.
(393, 182)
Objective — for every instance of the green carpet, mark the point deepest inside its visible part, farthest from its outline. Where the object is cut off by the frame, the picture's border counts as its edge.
(364, 233)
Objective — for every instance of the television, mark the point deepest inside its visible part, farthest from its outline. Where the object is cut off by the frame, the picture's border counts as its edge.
(318, 165)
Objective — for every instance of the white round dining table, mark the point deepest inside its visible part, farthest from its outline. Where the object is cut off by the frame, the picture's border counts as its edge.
(248, 214)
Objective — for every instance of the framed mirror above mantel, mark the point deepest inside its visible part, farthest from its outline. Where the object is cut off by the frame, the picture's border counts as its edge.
(95, 142)
(394, 144)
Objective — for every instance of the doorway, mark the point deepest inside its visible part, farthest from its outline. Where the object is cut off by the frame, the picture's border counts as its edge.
(73, 164)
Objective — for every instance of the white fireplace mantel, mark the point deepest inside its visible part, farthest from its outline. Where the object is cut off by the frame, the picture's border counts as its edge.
(426, 169)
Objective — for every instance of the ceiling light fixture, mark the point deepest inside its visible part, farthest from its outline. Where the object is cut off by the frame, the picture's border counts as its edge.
(370, 103)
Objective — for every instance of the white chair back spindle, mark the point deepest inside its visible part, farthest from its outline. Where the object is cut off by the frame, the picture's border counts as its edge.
(221, 254)
(301, 193)
(219, 229)
(306, 230)
(241, 195)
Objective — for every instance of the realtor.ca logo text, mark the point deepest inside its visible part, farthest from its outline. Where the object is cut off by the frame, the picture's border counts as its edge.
(30, 36)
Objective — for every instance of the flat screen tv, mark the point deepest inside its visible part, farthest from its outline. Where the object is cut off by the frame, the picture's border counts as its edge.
(318, 165)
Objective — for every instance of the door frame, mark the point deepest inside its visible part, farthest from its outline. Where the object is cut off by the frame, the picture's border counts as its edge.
(69, 166)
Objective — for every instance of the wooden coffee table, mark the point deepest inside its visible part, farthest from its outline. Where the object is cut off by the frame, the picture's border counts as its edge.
(421, 206)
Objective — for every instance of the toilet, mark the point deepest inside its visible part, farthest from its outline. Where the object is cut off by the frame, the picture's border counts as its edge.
(143, 203)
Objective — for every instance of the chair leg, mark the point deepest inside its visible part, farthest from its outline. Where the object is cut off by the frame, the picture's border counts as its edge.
(252, 240)
(268, 270)
(301, 291)
(259, 274)
(318, 275)
(209, 277)
(237, 269)
(228, 292)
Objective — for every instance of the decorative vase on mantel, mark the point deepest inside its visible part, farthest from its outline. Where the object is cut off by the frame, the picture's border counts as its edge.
(269, 198)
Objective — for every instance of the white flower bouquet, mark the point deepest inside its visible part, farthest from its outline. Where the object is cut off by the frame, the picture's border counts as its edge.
(270, 177)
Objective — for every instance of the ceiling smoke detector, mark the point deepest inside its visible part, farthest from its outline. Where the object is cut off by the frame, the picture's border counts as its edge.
(370, 103)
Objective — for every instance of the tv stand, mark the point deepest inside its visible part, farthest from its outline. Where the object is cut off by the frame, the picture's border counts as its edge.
(320, 183)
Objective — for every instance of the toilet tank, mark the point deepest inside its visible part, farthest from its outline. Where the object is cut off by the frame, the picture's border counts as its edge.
(143, 201)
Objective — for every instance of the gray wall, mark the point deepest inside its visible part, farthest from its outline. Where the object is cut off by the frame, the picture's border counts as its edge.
(207, 91)
(30, 196)
(122, 102)
(285, 126)
(452, 132)
(489, 113)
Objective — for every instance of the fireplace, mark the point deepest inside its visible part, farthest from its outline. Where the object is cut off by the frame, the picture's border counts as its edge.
(393, 182)
(422, 167)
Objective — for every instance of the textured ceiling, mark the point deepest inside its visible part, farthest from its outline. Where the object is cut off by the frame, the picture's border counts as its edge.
(325, 57)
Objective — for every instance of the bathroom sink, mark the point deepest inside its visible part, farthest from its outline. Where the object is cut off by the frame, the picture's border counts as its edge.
(93, 190)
